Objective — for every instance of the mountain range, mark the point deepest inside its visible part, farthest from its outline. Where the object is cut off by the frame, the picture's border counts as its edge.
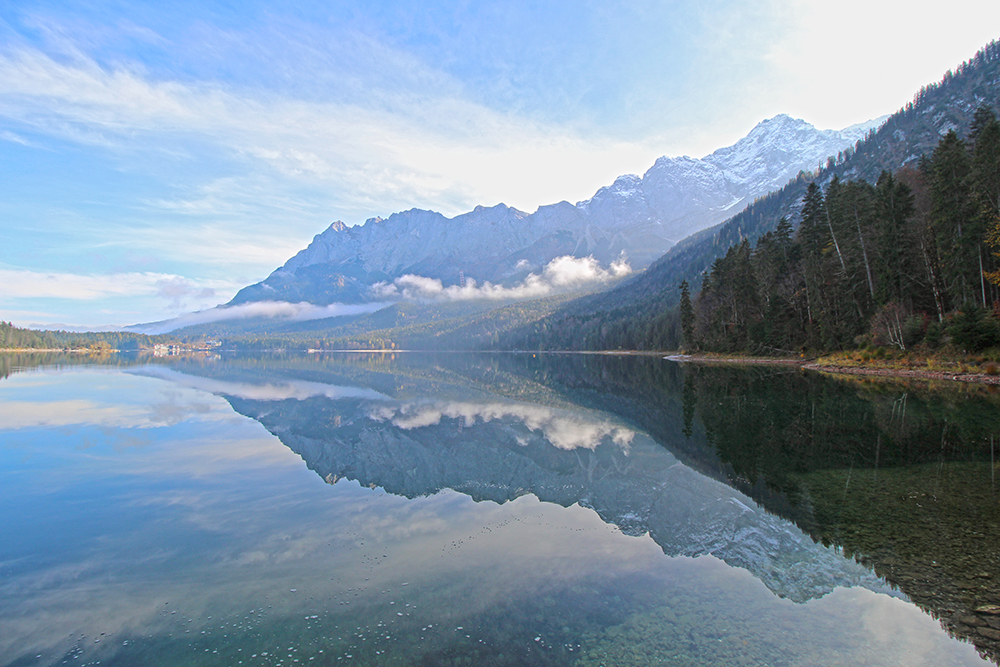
(637, 313)
(638, 218)
(642, 217)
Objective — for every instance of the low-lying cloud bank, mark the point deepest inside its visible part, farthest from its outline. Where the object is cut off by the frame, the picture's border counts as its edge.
(291, 312)
(562, 273)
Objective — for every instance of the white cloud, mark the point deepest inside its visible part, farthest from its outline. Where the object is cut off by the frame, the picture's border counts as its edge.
(22, 283)
(562, 273)
(7, 135)
(292, 312)
(394, 152)
(218, 246)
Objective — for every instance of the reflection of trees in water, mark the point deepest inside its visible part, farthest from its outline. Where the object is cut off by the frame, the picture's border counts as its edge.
(19, 362)
(899, 476)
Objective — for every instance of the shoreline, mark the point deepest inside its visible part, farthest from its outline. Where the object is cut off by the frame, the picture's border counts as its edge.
(974, 378)
(806, 364)
(756, 361)
(835, 369)
(37, 350)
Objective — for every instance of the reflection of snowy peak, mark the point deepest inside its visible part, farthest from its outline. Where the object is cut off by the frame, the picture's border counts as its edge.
(499, 451)
(641, 217)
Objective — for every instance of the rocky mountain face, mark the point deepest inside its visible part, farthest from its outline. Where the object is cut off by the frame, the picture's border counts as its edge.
(640, 217)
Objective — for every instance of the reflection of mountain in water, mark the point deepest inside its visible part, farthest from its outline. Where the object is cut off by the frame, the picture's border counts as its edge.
(818, 452)
(494, 448)
(901, 475)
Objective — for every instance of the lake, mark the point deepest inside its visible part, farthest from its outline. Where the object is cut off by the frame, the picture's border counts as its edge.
(519, 509)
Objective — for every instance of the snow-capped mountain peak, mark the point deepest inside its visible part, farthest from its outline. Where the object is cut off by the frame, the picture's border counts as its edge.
(641, 217)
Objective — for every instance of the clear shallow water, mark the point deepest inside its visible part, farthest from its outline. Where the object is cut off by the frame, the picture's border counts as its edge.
(385, 511)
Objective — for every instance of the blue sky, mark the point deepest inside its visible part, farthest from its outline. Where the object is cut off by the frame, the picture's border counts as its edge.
(158, 156)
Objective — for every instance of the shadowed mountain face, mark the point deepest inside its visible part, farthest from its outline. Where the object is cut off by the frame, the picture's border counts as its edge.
(640, 217)
(759, 467)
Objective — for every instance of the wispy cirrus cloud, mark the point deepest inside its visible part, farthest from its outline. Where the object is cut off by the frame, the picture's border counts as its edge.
(20, 283)
(12, 137)
(394, 151)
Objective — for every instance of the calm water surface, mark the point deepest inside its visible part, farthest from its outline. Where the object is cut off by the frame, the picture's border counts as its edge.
(426, 510)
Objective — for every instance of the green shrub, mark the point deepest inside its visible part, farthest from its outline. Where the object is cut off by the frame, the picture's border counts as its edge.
(975, 329)
(913, 330)
(935, 335)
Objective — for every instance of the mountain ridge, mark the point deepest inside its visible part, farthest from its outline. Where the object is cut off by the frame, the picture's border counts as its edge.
(641, 217)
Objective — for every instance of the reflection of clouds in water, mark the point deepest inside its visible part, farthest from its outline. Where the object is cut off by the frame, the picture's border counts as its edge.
(271, 546)
(292, 389)
(72, 412)
(899, 628)
(563, 431)
(101, 418)
(213, 453)
(79, 411)
(36, 403)
(177, 406)
(57, 618)
(887, 630)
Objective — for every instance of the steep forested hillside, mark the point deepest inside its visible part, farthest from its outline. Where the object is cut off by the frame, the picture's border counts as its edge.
(641, 313)
(911, 260)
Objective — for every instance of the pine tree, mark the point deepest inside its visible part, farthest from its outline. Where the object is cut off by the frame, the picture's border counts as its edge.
(894, 204)
(952, 211)
(811, 229)
(986, 190)
(811, 238)
(687, 316)
(993, 240)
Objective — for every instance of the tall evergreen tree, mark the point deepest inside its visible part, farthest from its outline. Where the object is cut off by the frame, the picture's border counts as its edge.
(986, 188)
(953, 210)
(811, 230)
(687, 316)
(894, 204)
(993, 240)
(811, 237)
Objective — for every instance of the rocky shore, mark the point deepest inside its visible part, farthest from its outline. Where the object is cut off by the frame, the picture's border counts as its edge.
(981, 378)
(837, 369)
